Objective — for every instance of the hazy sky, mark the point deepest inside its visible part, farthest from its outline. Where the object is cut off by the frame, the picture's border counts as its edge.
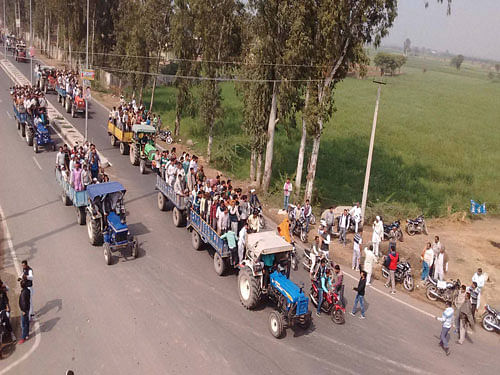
(472, 29)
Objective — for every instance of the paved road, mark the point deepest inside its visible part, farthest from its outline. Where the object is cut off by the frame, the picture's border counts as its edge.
(167, 311)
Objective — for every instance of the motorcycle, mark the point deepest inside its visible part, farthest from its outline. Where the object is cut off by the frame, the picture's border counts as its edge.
(262, 220)
(299, 229)
(446, 291)
(491, 319)
(414, 226)
(402, 275)
(166, 136)
(307, 261)
(397, 234)
(294, 260)
(331, 304)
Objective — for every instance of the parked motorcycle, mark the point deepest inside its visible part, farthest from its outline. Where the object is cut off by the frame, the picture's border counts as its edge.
(491, 319)
(398, 233)
(294, 260)
(307, 262)
(402, 275)
(331, 304)
(446, 291)
(414, 226)
(166, 136)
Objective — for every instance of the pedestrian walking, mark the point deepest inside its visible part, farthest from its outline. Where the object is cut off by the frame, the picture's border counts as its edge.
(287, 190)
(479, 279)
(427, 258)
(465, 317)
(378, 234)
(447, 320)
(343, 225)
(370, 260)
(356, 251)
(27, 275)
(24, 306)
(474, 293)
(355, 214)
(307, 212)
(360, 296)
(392, 263)
(458, 303)
(441, 264)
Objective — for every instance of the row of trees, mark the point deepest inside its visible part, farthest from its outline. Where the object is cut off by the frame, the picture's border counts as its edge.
(388, 62)
(287, 55)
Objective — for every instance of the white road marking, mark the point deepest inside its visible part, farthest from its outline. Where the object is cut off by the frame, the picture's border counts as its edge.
(8, 114)
(36, 330)
(37, 163)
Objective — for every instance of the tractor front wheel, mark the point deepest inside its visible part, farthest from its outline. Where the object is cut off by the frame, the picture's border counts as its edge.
(276, 324)
(108, 257)
(112, 140)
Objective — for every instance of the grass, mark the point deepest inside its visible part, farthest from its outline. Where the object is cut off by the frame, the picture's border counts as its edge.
(437, 141)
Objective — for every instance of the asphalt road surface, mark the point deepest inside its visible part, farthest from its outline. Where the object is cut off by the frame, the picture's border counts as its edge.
(167, 311)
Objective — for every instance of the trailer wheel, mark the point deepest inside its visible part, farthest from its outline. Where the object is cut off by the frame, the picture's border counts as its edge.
(67, 105)
(142, 166)
(65, 199)
(18, 125)
(276, 323)
(108, 257)
(29, 136)
(23, 130)
(196, 240)
(248, 288)
(94, 231)
(124, 148)
(112, 140)
(80, 215)
(162, 201)
(219, 264)
(178, 217)
(35, 145)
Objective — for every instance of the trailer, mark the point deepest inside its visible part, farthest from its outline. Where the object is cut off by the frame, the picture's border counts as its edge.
(21, 117)
(69, 196)
(121, 136)
(168, 199)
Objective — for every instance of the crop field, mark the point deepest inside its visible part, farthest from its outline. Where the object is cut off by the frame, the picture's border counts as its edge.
(437, 143)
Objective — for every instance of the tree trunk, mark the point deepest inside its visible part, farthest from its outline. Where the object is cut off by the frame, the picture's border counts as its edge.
(210, 142)
(253, 157)
(302, 149)
(48, 38)
(57, 38)
(93, 39)
(268, 168)
(259, 168)
(154, 81)
(311, 174)
(141, 91)
(177, 122)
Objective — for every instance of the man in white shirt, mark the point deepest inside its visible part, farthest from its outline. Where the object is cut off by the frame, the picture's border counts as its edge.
(479, 279)
(427, 258)
(287, 190)
(343, 225)
(60, 158)
(194, 163)
(242, 240)
(378, 233)
(355, 213)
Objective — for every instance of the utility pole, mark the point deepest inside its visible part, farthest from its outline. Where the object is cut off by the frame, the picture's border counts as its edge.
(5, 30)
(87, 66)
(31, 49)
(370, 151)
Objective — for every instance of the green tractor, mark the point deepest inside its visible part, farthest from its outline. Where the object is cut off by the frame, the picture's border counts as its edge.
(142, 147)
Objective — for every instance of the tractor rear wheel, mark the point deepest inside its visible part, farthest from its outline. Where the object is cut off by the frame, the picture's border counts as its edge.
(196, 240)
(142, 166)
(134, 155)
(80, 215)
(23, 130)
(108, 257)
(112, 140)
(29, 136)
(219, 264)
(94, 231)
(248, 288)
(124, 148)
(162, 201)
(276, 324)
(35, 145)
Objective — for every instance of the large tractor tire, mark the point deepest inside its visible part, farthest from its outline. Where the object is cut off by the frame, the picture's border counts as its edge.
(73, 112)
(178, 217)
(108, 256)
(35, 145)
(67, 105)
(162, 201)
(65, 199)
(23, 130)
(18, 125)
(80, 215)
(219, 264)
(135, 155)
(112, 140)
(248, 288)
(29, 136)
(94, 231)
(196, 240)
(276, 324)
(142, 166)
(124, 148)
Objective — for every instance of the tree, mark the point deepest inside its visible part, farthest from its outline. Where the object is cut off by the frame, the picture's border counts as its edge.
(457, 61)
(407, 46)
(388, 63)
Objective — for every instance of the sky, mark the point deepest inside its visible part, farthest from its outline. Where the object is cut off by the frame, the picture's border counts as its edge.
(472, 29)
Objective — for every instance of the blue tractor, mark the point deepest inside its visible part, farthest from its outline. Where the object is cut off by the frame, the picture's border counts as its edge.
(265, 272)
(106, 220)
(41, 135)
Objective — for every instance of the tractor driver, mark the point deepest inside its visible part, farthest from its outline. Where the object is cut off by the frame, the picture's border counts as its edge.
(320, 275)
(268, 263)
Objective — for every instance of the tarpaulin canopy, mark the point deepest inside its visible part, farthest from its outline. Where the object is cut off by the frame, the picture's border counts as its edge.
(98, 190)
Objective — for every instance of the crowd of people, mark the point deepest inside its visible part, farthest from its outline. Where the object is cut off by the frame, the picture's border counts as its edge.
(128, 114)
(31, 101)
(69, 80)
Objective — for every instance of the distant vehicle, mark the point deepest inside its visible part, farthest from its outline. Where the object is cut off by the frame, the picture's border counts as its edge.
(21, 54)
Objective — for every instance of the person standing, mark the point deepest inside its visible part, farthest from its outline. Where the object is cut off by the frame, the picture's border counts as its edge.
(27, 275)
(320, 276)
(24, 306)
(441, 264)
(436, 247)
(447, 320)
(458, 303)
(479, 279)
(330, 220)
(338, 286)
(242, 240)
(356, 251)
(231, 239)
(343, 225)
(360, 296)
(474, 293)
(287, 190)
(378, 234)
(465, 317)
(307, 212)
(370, 260)
(427, 258)
(355, 213)
(314, 255)
(393, 264)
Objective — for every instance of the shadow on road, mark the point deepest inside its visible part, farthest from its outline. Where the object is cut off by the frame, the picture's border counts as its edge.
(52, 304)
(49, 324)
(31, 209)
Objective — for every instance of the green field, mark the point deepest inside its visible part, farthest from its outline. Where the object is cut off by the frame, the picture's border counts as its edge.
(437, 143)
